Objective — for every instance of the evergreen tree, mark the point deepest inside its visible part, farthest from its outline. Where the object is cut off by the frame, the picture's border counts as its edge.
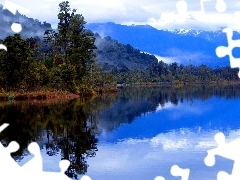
(15, 62)
(72, 41)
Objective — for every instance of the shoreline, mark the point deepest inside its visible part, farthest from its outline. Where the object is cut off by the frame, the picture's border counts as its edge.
(211, 83)
(54, 95)
(51, 95)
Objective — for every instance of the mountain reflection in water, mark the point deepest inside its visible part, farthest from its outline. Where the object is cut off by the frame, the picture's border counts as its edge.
(137, 134)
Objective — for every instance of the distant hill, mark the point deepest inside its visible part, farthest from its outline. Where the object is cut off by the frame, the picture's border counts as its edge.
(111, 53)
(182, 46)
(31, 27)
(185, 47)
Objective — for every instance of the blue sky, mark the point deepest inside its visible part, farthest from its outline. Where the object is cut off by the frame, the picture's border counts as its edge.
(161, 14)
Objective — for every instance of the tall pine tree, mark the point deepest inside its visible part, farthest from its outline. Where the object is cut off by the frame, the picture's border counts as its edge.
(73, 41)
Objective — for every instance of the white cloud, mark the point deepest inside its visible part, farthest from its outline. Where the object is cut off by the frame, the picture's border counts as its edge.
(161, 14)
(182, 57)
(167, 60)
(168, 105)
(164, 150)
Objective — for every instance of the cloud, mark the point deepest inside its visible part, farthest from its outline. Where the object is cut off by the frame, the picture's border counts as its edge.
(168, 60)
(155, 156)
(183, 57)
(168, 105)
(161, 14)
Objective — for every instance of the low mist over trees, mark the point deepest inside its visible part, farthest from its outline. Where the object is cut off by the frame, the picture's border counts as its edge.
(76, 60)
(31, 27)
(65, 60)
(111, 53)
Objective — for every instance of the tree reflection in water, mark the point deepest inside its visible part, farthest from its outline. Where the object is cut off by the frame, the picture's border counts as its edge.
(72, 126)
(66, 126)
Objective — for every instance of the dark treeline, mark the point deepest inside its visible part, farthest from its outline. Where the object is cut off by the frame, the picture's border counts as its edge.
(75, 60)
(64, 60)
(129, 65)
(113, 55)
(160, 72)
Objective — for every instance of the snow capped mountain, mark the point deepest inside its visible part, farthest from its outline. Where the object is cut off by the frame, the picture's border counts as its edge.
(184, 31)
(207, 35)
(180, 45)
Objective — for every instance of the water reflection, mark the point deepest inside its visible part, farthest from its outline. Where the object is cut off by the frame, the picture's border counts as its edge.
(66, 126)
(174, 132)
(133, 103)
(150, 157)
(137, 134)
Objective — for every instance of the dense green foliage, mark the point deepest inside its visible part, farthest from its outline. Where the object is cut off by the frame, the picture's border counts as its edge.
(65, 60)
(111, 53)
(130, 66)
(160, 72)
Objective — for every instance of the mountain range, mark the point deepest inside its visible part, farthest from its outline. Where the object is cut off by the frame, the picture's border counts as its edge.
(30, 27)
(183, 46)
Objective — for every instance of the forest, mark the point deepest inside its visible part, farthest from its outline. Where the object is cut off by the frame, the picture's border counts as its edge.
(63, 61)
(127, 65)
(73, 59)
(160, 73)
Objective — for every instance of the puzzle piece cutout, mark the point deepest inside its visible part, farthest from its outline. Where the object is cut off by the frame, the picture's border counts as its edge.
(85, 178)
(181, 16)
(236, 17)
(181, 6)
(13, 8)
(227, 150)
(16, 27)
(182, 11)
(177, 171)
(220, 7)
(2, 46)
(35, 164)
(33, 169)
(223, 51)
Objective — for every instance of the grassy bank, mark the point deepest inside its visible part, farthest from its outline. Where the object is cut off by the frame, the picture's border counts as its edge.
(53, 94)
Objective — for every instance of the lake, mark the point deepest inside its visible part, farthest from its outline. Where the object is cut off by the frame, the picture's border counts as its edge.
(139, 133)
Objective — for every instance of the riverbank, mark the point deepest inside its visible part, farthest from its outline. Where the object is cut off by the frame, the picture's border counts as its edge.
(178, 84)
(52, 95)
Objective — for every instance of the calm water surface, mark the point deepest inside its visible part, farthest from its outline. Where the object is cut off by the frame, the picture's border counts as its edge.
(137, 134)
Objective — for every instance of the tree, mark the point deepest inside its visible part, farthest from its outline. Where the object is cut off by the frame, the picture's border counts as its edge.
(64, 17)
(15, 62)
(173, 68)
(51, 47)
(72, 41)
(76, 42)
(35, 45)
